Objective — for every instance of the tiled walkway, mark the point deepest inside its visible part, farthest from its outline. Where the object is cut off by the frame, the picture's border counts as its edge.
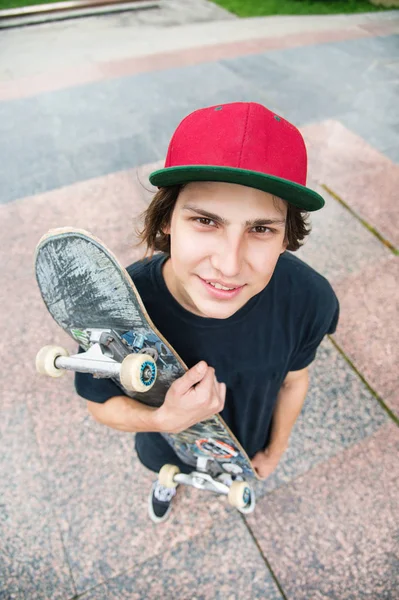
(79, 134)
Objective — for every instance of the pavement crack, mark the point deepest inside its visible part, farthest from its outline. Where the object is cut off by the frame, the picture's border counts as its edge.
(365, 224)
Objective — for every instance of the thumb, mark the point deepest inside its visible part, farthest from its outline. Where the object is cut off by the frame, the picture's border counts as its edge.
(255, 460)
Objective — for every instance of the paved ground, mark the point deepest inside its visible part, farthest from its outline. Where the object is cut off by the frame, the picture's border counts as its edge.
(86, 110)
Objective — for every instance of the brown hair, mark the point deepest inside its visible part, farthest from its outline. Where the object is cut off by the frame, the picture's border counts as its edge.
(159, 214)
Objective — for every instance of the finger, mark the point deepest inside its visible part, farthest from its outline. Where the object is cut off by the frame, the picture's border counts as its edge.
(192, 377)
(222, 393)
(216, 385)
(207, 382)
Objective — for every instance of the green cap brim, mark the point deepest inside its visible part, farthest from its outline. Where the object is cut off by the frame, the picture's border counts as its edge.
(294, 193)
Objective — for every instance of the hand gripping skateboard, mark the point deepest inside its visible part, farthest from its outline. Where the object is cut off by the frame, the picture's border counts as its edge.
(94, 300)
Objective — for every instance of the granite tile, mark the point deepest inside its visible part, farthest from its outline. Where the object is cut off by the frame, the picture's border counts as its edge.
(204, 568)
(333, 533)
(369, 328)
(33, 563)
(338, 413)
(392, 402)
(100, 493)
(357, 173)
(338, 245)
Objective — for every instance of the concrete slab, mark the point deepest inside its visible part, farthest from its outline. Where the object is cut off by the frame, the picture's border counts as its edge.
(333, 533)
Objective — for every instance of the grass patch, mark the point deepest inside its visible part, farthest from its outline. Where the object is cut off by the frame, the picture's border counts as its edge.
(4, 4)
(262, 8)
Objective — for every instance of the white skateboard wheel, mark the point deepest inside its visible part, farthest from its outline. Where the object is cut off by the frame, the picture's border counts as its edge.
(167, 474)
(45, 360)
(138, 372)
(241, 496)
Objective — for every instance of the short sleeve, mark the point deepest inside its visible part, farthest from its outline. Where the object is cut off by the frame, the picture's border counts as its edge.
(322, 320)
(96, 390)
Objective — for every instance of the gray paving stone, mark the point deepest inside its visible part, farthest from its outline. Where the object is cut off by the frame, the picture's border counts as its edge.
(329, 65)
(377, 129)
(74, 134)
(302, 101)
(378, 101)
(392, 153)
(371, 48)
(49, 163)
(259, 69)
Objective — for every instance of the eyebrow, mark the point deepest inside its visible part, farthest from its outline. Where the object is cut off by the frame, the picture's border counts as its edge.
(214, 217)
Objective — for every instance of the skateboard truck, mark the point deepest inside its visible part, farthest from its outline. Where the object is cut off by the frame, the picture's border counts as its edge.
(106, 357)
(239, 493)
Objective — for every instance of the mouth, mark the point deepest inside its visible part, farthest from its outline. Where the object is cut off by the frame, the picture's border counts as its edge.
(221, 290)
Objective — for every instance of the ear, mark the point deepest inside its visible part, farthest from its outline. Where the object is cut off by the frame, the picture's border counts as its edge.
(166, 230)
(284, 247)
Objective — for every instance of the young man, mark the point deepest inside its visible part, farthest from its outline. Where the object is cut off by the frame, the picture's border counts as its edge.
(244, 314)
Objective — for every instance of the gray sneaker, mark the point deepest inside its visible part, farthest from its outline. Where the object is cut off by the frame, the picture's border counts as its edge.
(160, 502)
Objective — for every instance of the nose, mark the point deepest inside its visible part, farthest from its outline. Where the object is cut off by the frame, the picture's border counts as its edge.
(228, 255)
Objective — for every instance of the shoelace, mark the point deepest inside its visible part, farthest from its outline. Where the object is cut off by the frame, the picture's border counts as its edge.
(164, 494)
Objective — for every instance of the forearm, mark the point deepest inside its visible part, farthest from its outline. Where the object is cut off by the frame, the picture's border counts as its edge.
(125, 414)
(288, 407)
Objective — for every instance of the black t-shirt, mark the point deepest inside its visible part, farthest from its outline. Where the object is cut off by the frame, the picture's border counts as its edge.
(277, 331)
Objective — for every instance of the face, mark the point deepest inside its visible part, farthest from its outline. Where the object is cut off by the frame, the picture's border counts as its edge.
(225, 243)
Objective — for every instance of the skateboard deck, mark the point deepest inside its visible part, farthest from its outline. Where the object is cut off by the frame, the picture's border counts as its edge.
(93, 298)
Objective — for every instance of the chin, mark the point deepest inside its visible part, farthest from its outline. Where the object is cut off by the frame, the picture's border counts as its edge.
(217, 312)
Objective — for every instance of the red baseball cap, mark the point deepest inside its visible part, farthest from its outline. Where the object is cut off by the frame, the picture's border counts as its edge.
(244, 143)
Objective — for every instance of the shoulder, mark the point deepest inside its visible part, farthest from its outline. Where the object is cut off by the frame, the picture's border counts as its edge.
(302, 280)
(146, 268)
(307, 294)
(145, 274)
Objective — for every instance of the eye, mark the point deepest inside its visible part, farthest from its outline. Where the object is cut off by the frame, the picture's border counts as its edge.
(204, 221)
(262, 229)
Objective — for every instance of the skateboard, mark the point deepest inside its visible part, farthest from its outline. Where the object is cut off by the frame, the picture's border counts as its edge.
(93, 298)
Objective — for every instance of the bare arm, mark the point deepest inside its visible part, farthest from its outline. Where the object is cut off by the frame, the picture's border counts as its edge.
(125, 414)
(289, 404)
(195, 396)
(290, 400)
